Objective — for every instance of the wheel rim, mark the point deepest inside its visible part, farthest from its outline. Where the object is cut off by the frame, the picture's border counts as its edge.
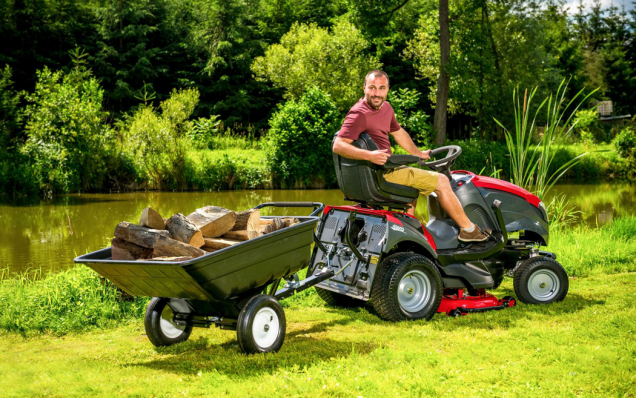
(543, 285)
(168, 327)
(265, 327)
(414, 291)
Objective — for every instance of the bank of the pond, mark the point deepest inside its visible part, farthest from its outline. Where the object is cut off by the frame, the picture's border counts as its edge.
(583, 346)
(245, 169)
(77, 299)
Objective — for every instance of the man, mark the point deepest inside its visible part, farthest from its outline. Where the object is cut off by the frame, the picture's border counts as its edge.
(376, 117)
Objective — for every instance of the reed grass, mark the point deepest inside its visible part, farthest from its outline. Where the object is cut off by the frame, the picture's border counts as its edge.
(63, 302)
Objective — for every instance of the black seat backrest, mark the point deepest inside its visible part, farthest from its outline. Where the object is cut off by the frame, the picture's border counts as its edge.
(362, 181)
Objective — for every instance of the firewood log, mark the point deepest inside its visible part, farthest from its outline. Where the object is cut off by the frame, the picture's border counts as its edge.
(248, 220)
(151, 219)
(168, 247)
(122, 250)
(219, 243)
(266, 221)
(184, 230)
(241, 235)
(276, 224)
(213, 221)
(140, 236)
(182, 258)
(289, 221)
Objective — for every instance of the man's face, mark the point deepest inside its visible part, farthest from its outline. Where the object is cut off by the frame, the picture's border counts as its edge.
(376, 90)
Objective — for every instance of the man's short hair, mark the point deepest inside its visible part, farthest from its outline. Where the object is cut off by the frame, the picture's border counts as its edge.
(377, 73)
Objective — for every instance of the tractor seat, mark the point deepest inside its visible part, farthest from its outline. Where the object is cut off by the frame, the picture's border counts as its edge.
(363, 182)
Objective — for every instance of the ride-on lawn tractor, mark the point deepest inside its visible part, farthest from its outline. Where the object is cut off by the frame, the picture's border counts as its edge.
(410, 271)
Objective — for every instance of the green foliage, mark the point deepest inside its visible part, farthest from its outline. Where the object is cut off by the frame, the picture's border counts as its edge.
(481, 156)
(333, 60)
(530, 165)
(230, 169)
(299, 141)
(406, 104)
(64, 302)
(157, 141)
(561, 213)
(625, 143)
(68, 141)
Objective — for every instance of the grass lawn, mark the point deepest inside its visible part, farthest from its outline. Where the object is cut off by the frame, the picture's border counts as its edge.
(583, 346)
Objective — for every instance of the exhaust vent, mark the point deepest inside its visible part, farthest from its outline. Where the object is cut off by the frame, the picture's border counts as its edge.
(331, 223)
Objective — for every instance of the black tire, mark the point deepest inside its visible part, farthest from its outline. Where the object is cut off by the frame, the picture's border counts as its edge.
(540, 280)
(160, 329)
(337, 299)
(261, 325)
(392, 290)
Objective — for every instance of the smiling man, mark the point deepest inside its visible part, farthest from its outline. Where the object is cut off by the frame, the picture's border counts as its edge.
(373, 115)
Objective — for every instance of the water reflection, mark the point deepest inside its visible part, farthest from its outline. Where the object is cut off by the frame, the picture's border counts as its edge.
(50, 234)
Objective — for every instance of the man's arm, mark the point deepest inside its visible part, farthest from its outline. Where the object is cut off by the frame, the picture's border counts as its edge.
(343, 147)
(404, 140)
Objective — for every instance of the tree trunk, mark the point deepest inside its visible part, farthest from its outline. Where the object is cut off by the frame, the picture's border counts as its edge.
(184, 230)
(441, 106)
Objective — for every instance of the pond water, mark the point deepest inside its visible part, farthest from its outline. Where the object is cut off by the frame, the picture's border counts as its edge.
(48, 235)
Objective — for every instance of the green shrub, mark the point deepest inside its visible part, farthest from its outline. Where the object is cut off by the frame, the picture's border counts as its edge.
(235, 171)
(625, 143)
(68, 140)
(481, 156)
(157, 142)
(405, 103)
(299, 141)
(60, 303)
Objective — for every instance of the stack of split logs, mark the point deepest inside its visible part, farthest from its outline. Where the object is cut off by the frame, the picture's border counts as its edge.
(181, 238)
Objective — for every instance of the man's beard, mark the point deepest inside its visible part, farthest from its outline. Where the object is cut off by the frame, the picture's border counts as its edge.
(369, 101)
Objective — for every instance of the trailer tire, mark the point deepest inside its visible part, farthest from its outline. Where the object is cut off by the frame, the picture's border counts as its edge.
(407, 286)
(540, 280)
(337, 299)
(261, 325)
(160, 328)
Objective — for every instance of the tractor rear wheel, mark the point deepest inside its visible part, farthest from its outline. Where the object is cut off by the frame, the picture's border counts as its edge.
(406, 286)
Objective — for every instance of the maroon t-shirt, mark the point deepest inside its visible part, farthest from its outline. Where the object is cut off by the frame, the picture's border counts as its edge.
(378, 123)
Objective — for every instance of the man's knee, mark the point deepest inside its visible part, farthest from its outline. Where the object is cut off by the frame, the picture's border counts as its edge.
(442, 183)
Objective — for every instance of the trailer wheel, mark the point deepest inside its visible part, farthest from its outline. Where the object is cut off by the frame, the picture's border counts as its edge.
(261, 325)
(407, 286)
(540, 280)
(160, 328)
(337, 299)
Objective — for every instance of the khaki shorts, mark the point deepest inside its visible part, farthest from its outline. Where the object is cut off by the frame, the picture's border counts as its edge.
(423, 180)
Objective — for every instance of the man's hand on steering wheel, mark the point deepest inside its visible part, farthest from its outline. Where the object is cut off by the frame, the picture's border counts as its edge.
(425, 155)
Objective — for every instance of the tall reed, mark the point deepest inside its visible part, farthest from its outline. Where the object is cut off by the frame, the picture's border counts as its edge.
(529, 162)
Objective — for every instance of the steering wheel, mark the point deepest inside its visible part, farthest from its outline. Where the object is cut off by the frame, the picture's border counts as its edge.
(453, 153)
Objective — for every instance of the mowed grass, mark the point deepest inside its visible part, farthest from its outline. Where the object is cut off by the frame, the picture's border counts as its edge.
(583, 346)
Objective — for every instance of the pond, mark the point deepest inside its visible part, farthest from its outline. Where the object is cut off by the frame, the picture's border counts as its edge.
(48, 235)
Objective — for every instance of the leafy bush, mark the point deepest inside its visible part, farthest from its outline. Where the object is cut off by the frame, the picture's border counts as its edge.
(299, 141)
(68, 141)
(157, 141)
(481, 156)
(204, 130)
(310, 56)
(625, 143)
(405, 103)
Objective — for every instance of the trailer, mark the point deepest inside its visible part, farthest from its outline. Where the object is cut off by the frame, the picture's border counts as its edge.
(235, 288)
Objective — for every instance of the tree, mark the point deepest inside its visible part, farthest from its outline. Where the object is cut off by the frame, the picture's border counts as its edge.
(441, 107)
(334, 61)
